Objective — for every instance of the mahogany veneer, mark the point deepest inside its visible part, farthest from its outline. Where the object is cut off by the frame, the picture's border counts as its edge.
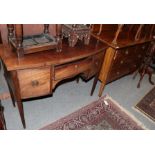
(37, 74)
(128, 45)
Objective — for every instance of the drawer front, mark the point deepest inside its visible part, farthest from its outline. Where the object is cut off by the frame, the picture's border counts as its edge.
(34, 82)
(125, 55)
(72, 69)
(127, 61)
(141, 52)
(97, 60)
(118, 72)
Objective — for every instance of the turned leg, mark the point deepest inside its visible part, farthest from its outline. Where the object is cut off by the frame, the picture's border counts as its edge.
(19, 39)
(150, 75)
(86, 39)
(141, 77)
(10, 31)
(134, 76)
(72, 40)
(46, 28)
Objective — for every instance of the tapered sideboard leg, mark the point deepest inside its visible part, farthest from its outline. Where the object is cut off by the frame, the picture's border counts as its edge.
(21, 112)
(18, 97)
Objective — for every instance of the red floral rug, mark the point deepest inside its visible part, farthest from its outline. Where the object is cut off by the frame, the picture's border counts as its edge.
(103, 114)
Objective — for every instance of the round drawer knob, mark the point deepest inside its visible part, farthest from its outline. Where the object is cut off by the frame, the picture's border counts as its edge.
(122, 61)
(126, 52)
(96, 63)
(139, 56)
(143, 47)
(35, 83)
(117, 73)
(76, 66)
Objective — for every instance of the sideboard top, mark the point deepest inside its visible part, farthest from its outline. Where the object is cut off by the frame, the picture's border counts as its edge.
(51, 57)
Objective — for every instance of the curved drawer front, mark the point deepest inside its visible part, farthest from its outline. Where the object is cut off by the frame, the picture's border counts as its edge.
(72, 69)
(34, 82)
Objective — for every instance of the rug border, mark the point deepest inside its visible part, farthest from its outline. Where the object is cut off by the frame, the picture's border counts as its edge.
(130, 114)
(140, 111)
(106, 96)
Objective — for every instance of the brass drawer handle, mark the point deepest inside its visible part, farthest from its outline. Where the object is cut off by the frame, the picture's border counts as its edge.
(35, 83)
(126, 52)
(139, 56)
(122, 61)
(76, 66)
(143, 47)
(96, 63)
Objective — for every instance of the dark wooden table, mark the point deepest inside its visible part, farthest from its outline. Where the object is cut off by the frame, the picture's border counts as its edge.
(37, 74)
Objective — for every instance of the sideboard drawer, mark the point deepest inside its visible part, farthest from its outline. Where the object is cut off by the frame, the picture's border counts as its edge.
(34, 82)
(97, 60)
(71, 69)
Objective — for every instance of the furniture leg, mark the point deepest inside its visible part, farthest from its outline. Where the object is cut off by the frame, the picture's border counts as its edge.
(18, 96)
(77, 79)
(10, 90)
(94, 84)
(96, 79)
(141, 77)
(101, 89)
(12, 96)
(134, 76)
(19, 38)
(106, 67)
(150, 75)
(21, 112)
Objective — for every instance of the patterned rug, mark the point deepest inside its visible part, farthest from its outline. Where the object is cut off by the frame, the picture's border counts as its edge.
(4, 96)
(104, 114)
(147, 105)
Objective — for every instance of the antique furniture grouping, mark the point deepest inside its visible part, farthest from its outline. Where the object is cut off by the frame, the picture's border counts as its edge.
(76, 32)
(33, 43)
(38, 74)
(128, 45)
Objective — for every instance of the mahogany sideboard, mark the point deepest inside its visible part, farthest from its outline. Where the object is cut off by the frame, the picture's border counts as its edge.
(125, 52)
(37, 74)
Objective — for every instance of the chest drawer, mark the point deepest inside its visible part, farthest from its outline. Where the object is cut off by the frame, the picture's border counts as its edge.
(97, 60)
(71, 69)
(34, 82)
(124, 55)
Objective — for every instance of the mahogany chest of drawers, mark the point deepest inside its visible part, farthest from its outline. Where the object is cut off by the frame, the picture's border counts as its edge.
(128, 45)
